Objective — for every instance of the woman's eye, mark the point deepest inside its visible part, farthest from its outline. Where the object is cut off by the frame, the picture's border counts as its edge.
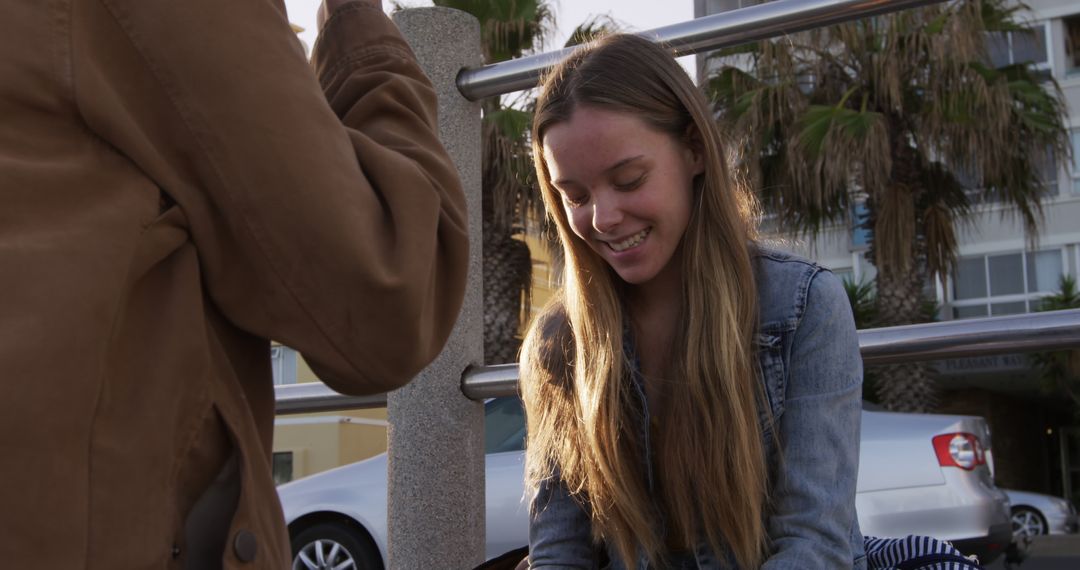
(630, 184)
(575, 201)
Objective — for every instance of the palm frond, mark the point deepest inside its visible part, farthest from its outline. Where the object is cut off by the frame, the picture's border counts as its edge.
(597, 26)
(944, 203)
(509, 28)
(833, 149)
(861, 297)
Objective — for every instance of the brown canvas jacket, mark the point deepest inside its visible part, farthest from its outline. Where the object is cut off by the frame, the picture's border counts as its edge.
(175, 190)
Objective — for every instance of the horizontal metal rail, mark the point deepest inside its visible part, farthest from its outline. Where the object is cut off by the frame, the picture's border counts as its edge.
(308, 397)
(722, 30)
(1054, 330)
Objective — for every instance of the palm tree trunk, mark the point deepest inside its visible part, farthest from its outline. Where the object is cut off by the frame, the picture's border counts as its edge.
(906, 387)
(507, 267)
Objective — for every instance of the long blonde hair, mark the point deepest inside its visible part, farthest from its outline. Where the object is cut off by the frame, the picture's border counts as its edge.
(711, 480)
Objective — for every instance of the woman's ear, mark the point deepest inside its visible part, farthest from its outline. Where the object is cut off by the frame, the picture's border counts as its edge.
(695, 149)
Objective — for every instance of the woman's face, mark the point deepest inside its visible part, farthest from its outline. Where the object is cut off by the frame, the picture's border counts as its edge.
(626, 188)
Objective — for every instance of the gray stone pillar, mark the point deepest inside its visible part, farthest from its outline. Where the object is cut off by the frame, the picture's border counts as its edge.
(436, 434)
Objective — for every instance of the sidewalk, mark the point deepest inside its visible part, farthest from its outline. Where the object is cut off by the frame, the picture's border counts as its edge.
(1058, 552)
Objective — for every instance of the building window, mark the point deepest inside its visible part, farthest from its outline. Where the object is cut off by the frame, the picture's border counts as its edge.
(283, 467)
(283, 363)
(1011, 48)
(1004, 284)
(1048, 172)
(717, 6)
(1072, 45)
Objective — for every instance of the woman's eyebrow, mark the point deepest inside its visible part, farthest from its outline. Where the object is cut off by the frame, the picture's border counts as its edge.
(623, 162)
(612, 168)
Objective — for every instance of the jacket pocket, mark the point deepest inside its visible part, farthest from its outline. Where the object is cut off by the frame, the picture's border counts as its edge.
(206, 529)
(208, 482)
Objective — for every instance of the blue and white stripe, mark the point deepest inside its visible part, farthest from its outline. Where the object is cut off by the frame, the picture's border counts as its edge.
(915, 553)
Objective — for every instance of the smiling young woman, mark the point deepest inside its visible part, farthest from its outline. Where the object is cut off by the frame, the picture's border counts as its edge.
(680, 359)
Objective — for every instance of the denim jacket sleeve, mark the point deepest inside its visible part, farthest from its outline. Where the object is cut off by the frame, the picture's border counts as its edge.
(560, 534)
(812, 518)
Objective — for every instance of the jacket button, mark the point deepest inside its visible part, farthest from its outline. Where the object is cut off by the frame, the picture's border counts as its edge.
(245, 546)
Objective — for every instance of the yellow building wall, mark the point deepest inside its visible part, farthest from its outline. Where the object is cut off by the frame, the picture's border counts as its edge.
(325, 440)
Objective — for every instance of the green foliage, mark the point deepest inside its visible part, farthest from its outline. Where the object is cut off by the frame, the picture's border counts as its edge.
(1060, 370)
(820, 122)
(511, 123)
(596, 26)
(861, 297)
(508, 28)
(1067, 296)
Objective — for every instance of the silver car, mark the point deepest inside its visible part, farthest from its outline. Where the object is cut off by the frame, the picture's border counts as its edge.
(918, 474)
(1035, 513)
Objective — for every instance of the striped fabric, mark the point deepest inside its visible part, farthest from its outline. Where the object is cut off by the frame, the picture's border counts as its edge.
(915, 553)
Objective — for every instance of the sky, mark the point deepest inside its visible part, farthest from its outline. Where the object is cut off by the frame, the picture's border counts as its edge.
(634, 15)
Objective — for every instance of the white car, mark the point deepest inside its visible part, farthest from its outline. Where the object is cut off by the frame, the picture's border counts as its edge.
(1035, 513)
(918, 474)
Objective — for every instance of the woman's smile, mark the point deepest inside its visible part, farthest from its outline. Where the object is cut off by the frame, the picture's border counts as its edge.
(631, 242)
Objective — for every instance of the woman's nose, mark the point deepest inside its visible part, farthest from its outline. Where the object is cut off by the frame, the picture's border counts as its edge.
(606, 213)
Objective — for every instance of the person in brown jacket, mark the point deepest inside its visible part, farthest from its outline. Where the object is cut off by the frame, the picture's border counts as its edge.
(178, 185)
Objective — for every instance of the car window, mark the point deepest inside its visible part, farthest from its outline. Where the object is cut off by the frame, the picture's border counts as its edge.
(504, 425)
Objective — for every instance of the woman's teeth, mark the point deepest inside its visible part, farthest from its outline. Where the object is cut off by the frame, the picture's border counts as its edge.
(630, 241)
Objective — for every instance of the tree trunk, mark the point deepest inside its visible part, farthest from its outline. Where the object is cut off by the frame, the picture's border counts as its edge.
(507, 281)
(906, 387)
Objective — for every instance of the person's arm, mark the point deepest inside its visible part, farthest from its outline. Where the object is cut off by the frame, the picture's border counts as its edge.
(813, 498)
(324, 210)
(560, 533)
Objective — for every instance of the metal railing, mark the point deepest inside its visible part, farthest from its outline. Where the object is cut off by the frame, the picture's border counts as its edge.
(932, 341)
(717, 31)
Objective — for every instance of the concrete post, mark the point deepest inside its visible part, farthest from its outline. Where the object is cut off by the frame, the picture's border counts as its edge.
(436, 434)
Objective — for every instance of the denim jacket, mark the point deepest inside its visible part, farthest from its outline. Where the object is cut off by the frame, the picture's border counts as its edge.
(810, 366)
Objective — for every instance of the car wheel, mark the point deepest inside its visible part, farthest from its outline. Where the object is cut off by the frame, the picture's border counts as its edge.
(333, 546)
(1027, 522)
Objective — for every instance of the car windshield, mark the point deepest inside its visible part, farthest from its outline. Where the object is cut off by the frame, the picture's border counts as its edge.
(504, 425)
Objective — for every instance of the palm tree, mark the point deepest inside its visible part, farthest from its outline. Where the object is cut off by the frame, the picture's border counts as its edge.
(511, 199)
(903, 114)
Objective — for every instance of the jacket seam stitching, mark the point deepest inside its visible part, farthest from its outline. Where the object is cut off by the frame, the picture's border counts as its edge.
(68, 78)
(803, 293)
(361, 56)
(818, 395)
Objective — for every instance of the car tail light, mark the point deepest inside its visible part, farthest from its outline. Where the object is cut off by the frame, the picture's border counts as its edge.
(961, 450)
